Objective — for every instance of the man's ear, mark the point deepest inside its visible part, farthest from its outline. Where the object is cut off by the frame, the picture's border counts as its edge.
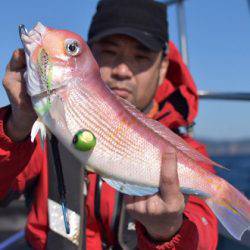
(163, 69)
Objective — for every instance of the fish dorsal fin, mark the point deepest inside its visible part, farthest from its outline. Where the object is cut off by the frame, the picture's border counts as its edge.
(167, 134)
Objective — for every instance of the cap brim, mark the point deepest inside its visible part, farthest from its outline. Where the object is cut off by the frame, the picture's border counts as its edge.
(142, 36)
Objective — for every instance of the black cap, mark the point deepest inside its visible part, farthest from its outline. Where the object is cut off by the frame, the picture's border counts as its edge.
(144, 20)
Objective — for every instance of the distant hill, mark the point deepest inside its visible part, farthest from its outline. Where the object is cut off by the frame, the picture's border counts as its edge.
(227, 147)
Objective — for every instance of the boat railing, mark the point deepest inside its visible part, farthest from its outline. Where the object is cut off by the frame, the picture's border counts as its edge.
(229, 96)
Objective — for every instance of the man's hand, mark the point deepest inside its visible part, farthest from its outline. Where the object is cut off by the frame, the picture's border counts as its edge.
(161, 214)
(22, 117)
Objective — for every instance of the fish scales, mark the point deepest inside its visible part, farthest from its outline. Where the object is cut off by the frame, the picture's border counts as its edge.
(100, 120)
(97, 120)
(142, 155)
(118, 132)
(196, 178)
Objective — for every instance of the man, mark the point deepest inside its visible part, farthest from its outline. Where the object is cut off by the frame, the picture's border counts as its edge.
(129, 39)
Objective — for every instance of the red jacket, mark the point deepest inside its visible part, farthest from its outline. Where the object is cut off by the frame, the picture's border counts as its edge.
(23, 163)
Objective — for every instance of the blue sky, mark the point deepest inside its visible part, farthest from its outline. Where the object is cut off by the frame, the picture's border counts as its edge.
(218, 44)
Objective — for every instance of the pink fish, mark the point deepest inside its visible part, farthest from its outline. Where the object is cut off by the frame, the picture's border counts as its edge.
(69, 96)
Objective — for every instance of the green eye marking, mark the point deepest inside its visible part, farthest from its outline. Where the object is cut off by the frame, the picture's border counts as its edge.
(84, 140)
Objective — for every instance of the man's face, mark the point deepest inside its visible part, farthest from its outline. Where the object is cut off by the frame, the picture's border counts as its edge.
(130, 69)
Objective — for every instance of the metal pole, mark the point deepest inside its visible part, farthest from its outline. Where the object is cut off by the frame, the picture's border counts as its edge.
(181, 27)
(233, 96)
(182, 31)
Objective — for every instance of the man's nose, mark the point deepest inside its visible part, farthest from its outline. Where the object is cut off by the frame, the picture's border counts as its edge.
(122, 71)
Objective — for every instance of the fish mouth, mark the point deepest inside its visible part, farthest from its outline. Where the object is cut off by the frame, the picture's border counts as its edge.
(35, 76)
(33, 38)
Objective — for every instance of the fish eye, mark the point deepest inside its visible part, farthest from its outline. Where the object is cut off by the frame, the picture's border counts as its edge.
(72, 47)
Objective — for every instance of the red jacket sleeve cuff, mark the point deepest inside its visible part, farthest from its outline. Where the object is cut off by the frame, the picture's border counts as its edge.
(186, 238)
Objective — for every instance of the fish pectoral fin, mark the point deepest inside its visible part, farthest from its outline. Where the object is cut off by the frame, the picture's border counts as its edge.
(196, 192)
(130, 189)
(38, 128)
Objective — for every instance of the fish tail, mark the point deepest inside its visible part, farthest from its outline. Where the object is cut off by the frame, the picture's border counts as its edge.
(232, 208)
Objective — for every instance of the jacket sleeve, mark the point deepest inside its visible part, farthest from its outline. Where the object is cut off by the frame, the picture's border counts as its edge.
(199, 223)
(19, 162)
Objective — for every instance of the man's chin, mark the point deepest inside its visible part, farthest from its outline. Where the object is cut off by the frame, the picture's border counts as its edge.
(123, 94)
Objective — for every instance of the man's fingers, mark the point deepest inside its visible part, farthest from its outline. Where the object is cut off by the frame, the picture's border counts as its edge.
(17, 61)
(169, 183)
(135, 204)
